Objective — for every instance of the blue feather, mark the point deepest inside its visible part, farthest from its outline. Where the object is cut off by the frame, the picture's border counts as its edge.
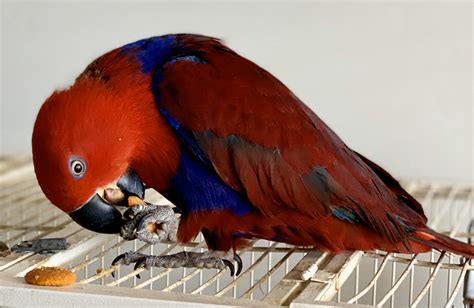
(152, 52)
(186, 137)
(344, 214)
(196, 187)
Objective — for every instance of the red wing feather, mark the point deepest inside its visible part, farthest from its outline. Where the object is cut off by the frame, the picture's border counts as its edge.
(264, 142)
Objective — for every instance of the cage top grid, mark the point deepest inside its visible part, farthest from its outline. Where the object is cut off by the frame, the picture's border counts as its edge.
(274, 274)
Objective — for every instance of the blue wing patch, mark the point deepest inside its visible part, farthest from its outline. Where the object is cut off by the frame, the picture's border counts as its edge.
(196, 187)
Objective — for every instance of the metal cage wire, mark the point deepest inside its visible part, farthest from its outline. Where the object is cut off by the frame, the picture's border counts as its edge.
(274, 273)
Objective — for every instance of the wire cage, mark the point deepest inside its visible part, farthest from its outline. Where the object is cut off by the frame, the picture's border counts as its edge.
(273, 274)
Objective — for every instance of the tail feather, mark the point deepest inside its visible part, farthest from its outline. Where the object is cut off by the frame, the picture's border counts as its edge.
(442, 242)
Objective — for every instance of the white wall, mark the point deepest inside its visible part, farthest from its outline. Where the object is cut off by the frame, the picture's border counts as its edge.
(392, 79)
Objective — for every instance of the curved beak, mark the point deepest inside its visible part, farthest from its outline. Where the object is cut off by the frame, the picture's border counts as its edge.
(131, 184)
(99, 216)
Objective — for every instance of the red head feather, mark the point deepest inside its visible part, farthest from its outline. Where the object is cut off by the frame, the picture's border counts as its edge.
(108, 118)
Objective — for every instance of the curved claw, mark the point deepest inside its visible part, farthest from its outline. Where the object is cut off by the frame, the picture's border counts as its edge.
(118, 259)
(230, 265)
(238, 259)
(140, 263)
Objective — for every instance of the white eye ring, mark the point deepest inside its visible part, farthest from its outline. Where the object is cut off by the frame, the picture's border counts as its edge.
(77, 167)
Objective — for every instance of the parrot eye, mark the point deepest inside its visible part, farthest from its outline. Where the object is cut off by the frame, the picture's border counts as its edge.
(77, 167)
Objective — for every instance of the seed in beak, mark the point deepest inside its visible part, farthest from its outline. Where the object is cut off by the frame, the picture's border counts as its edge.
(114, 195)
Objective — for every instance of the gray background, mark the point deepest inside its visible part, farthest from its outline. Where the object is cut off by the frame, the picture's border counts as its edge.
(393, 79)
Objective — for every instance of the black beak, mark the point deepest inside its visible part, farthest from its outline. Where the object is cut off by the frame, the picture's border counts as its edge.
(131, 184)
(99, 216)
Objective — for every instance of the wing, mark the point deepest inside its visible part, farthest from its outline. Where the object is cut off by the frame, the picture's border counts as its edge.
(265, 143)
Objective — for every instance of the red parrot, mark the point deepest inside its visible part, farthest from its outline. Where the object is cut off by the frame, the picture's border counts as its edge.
(229, 144)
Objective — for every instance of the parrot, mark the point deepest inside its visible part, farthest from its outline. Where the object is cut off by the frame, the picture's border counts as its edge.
(238, 153)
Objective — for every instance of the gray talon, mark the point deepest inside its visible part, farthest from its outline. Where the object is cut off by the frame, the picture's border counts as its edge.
(127, 230)
(141, 263)
(150, 223)
(181, 259)
(158, 225)
(127, 258)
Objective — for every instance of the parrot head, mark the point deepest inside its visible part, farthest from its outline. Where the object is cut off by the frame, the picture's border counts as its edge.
(85, 142)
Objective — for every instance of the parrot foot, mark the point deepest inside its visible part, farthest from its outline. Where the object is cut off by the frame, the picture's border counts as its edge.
(210, 259)
(150, 223)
